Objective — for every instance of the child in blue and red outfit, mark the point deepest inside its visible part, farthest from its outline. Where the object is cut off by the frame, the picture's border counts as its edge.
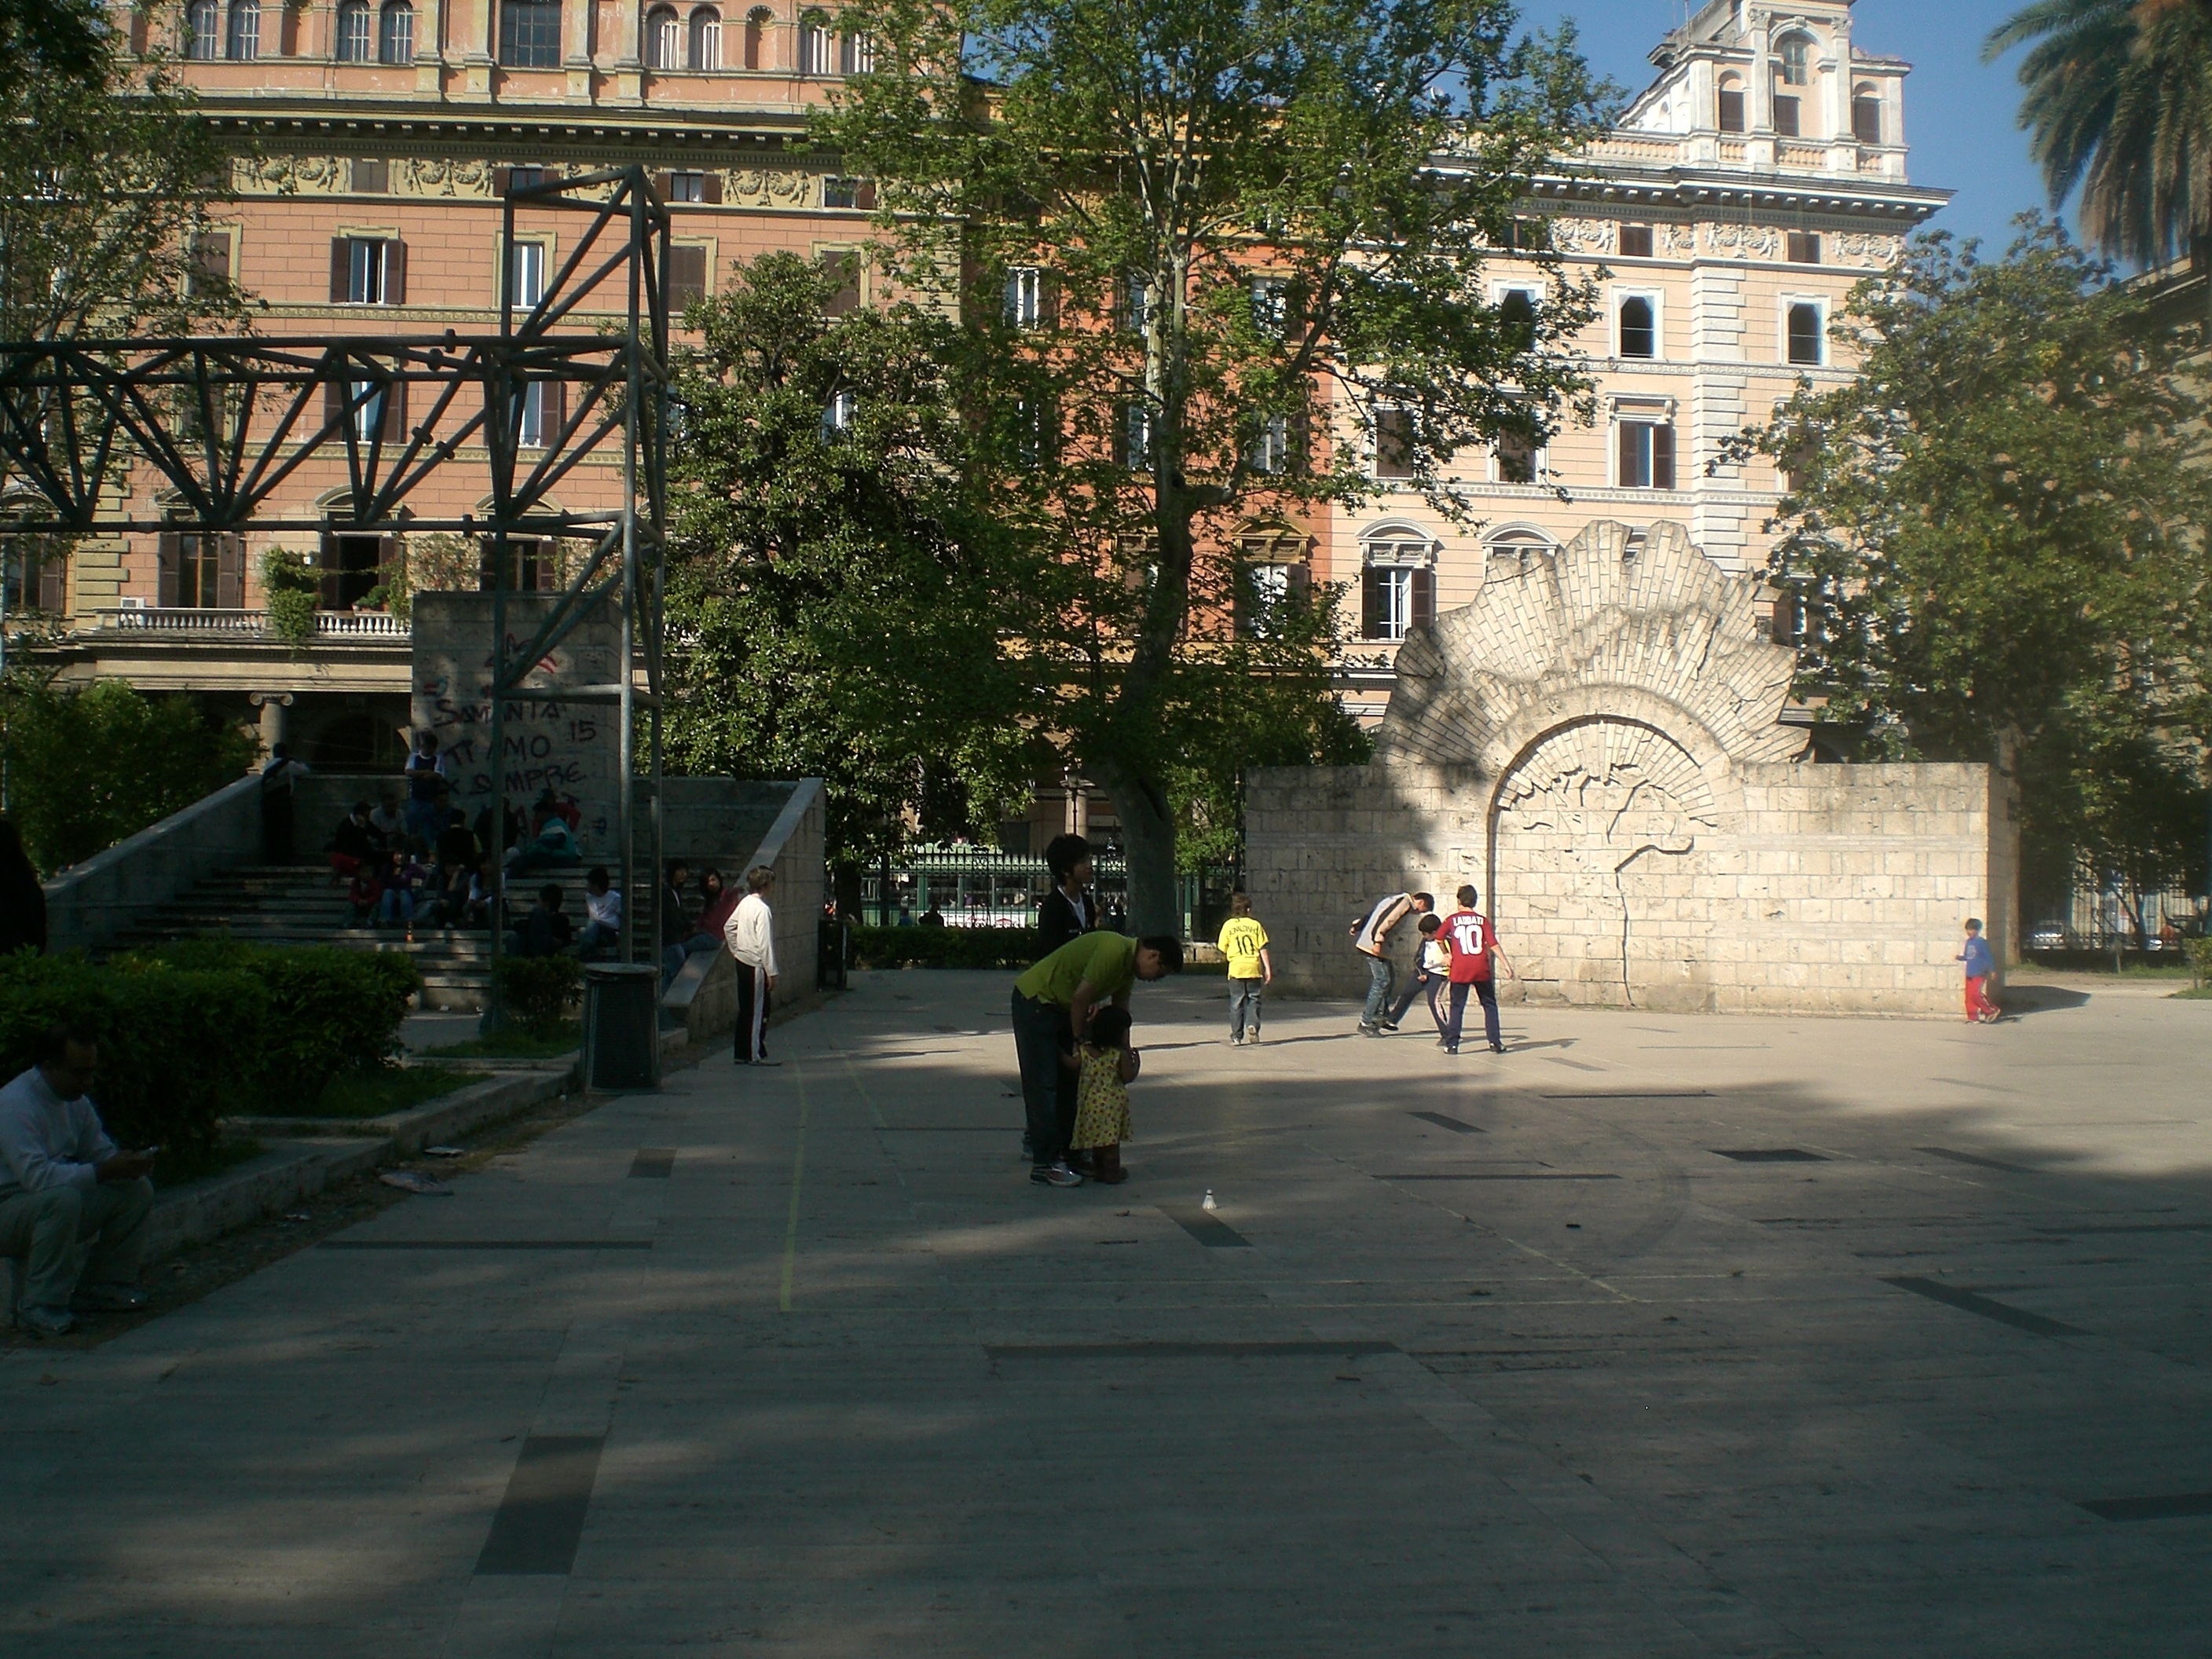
(1475, 958)
(1980, 964)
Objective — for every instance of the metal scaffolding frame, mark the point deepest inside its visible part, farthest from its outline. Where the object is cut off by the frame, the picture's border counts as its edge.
(227, 421)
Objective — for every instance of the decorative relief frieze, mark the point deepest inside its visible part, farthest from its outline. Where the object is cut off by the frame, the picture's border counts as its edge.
(449, 179)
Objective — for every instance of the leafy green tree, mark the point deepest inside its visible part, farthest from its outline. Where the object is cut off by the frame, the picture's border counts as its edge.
(2118, 98)
(1995, 536)
(837, 595)
(1207, 256)
(108, 182)
(88, 768)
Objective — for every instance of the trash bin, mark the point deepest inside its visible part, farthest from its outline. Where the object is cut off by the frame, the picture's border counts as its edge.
(622, 1026)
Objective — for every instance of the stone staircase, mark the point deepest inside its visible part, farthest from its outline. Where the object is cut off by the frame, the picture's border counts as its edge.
(299, 904)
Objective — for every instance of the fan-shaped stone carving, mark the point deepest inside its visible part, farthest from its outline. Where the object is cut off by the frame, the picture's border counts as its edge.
(1610, 691)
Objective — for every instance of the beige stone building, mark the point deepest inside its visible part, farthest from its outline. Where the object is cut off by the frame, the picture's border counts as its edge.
(1745, 190)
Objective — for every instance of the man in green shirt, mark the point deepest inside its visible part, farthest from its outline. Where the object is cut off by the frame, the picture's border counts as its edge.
(1052, 1003)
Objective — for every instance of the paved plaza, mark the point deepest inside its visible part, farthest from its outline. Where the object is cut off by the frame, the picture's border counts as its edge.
(1655, 1335)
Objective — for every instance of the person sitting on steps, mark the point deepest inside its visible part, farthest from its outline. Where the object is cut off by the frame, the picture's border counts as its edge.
(73, 1207)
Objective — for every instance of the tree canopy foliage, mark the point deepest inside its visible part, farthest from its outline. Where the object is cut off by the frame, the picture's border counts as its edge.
(838, 589)
(1997, 536)
(88, 768)
(1206, 256)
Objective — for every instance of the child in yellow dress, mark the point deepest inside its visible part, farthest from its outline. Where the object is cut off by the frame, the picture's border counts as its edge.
(1106, 1064)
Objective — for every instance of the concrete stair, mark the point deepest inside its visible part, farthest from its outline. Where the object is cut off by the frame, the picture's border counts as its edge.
(299, 904)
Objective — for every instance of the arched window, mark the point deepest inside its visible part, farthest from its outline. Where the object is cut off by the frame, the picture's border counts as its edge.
(756, 23)
(705, 39)
(530, 33)
(242, 44)
(817, 47)
(856, 54)
(204, 30)
(1808, 335)
(1520, 544)
(357, 31)
(1640, 329)
(1731, 105)
(1397, 584)
(1866, 115)
(1793, 61)
(664, 39)
(395, 35)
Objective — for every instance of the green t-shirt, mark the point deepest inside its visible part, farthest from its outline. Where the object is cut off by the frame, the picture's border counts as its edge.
(1108, 961)
(1242, 940)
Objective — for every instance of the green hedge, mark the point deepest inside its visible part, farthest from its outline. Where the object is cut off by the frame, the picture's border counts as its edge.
(945, 947)
(330, 1009)
(197, 1031)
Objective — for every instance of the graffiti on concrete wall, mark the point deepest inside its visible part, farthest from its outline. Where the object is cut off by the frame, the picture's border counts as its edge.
(547, 742)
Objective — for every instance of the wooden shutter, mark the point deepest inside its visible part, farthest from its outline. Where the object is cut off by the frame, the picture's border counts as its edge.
(230, 573)
(1048, 299)
(664, 184)
(1374, 604)
(549, 564)
(168, 559)
(341, 268)
(501, 179)
(395, 412)
(687, 276)
(710, 188)
(53, 584)
(334, 403)
(1662, 458)
(1630, 461)
(395, 273)
(1424, 598)
(1298, 579)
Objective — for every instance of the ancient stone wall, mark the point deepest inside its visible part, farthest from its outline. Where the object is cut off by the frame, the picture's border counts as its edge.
(1595, 744)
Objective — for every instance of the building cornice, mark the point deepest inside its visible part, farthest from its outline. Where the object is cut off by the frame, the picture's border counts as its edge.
(1698, 190)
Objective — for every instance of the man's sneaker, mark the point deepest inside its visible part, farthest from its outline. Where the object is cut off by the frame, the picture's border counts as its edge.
(1081, 1162)
(1368, 1028)
(1029, 1150)
(1054, 1175)
(1388, 1024)
(44, 1321)
(1497, 1047)
(109, 1298)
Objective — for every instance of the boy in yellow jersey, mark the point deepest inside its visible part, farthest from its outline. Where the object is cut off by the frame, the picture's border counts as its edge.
(1244, 943)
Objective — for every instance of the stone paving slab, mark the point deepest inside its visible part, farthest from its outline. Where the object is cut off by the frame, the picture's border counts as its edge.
(1514, 1358)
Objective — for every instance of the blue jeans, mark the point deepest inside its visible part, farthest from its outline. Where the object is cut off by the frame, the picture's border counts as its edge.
(1380, 976)
(1487, 990)
(398, 904)
(1245, 1007)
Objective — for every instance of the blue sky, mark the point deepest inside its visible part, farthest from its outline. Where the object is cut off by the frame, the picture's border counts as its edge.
(1959, 115)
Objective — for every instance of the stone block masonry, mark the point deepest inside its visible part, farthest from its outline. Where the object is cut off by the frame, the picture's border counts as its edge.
(1596, 747)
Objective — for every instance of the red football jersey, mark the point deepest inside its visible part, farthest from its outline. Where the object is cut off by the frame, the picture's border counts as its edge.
(1468, 933)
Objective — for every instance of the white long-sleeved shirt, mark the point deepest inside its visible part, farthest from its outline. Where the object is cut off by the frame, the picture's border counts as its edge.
(751, 933)
(46, 1141)
(605, 909)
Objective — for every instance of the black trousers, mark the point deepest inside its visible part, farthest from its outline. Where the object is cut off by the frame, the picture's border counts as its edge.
(1041, 1034)
(752, 1013)
(276, 826)
(1484, 988)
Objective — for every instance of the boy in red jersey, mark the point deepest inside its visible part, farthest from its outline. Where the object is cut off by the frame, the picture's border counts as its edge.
(1475, 958)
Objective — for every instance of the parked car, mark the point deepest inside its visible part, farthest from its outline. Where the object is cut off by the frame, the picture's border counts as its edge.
(2047, 936)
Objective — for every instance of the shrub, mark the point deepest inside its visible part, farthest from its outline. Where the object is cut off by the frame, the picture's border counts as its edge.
(178, 1045)
(945, 947)
(330, 1011)
(538, 992)
(294, 591)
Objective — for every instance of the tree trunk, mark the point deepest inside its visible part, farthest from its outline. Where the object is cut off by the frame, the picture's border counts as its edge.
(1148, 840)
(2004, 930)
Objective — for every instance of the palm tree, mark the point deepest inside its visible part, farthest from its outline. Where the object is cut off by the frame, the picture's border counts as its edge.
(2120, 101)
